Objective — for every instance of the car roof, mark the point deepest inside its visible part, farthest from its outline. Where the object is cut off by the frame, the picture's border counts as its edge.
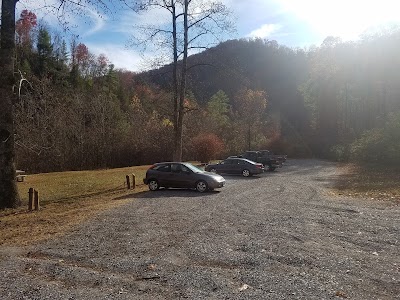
(169, 162)
(241, 158)
(172, 162)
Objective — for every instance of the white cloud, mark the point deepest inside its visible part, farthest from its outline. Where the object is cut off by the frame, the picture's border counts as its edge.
(265, 31)
(129, 19)
(118, 55)
(98, 20)
(85, 18)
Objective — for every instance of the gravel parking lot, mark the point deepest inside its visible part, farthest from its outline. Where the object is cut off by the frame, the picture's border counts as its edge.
(276, 236)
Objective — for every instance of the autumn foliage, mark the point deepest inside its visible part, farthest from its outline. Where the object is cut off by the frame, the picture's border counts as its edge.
(24, 26)
(206, 147)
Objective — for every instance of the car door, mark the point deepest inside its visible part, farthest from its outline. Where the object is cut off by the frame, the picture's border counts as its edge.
(225, 166)
(176, 178)
(187, 178)
(163, 174)
(240, 166)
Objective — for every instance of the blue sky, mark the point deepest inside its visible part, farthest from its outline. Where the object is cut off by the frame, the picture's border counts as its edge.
(293, 23)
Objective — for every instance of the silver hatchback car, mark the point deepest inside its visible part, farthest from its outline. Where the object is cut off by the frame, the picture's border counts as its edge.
(181, 175)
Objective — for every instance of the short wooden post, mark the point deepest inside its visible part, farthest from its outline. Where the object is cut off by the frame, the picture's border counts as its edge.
(133, 181)
(128, 182)
(30, 203)
(37, 205)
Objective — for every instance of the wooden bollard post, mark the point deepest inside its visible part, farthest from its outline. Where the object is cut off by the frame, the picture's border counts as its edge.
(133, 181)
(30, 203)
(37, 205)
(128, 182)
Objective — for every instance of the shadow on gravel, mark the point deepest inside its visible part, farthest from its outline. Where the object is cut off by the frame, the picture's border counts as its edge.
(239, 177)
(306, 166)
(172, 193)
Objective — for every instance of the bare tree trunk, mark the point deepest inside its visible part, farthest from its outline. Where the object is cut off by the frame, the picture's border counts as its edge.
(249, 137)
(175, 86)
(8, 190)
(182, 87)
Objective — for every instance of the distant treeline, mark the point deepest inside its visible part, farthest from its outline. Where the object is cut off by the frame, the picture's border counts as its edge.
(75, 111)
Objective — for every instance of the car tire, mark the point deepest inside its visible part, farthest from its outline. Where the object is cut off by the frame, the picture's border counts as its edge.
(201, 186)
(246, 173)
(213, 170)
(153, 185)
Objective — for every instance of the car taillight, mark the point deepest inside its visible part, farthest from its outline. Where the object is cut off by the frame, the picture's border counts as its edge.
(259, 166)
(152, 166)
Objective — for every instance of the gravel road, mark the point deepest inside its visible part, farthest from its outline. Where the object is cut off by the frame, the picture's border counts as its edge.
(276, 236)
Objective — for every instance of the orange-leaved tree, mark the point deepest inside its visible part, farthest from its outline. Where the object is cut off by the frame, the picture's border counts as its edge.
(206, 146)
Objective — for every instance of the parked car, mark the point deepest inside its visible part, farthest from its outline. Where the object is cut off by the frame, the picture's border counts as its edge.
(181, 175)
(236, 165)
(264, 157)
(279, 157)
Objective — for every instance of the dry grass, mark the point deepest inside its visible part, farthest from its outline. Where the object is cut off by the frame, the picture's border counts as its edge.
(370, 181)
(67, 199)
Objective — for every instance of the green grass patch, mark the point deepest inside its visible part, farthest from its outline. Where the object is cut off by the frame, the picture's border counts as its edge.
(73, 185)
(67, 199)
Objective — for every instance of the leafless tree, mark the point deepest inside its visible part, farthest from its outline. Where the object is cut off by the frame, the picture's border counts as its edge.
(194, 25)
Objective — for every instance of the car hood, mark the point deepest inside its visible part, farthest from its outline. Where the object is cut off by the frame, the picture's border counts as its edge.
(213, 176)
(211, 165)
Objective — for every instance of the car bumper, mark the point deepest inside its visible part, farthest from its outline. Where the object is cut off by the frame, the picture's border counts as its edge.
(216, 184)
(145, 181)
(258, 171)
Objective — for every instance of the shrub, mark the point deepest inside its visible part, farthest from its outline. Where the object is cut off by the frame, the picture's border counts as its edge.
(379, 144)
(206, 147)
(340, 152)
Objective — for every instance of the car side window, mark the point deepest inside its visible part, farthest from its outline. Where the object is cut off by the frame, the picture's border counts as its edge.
(176, 168)
(185, 169)
(240, 162)
(164, 168)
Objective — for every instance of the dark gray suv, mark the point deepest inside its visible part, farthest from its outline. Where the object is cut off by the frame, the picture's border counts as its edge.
(181, 175)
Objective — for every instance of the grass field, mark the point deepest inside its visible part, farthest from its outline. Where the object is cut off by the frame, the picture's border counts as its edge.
(66, 199)
(70, 186)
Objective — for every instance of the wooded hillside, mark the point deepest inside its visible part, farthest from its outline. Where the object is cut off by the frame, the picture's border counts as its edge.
(75, 111)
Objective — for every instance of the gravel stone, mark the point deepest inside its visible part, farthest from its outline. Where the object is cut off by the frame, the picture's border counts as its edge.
(279, 235)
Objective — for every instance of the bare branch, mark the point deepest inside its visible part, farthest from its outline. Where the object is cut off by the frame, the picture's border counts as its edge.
(21, 82)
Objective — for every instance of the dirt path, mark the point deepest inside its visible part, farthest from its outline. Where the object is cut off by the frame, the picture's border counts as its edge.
(277, 236)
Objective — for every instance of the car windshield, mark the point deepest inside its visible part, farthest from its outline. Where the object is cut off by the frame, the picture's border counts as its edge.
(193, 168)
(249, 161)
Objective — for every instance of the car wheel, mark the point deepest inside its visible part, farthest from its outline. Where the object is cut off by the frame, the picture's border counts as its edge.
(201, 186)
(153, 185)
(213, 170)
(246, 173)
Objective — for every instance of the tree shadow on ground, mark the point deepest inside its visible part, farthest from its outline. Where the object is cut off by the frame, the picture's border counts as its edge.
(168, 193)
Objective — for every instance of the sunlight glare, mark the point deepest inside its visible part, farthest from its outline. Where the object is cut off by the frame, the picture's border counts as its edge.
(346, 19)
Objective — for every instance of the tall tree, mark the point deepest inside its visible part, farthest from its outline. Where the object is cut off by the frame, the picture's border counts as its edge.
(24, 26)
(8, 190)
(194, 23)
(250, 106)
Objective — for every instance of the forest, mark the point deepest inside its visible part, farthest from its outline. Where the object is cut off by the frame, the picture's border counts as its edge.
(75, 111)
